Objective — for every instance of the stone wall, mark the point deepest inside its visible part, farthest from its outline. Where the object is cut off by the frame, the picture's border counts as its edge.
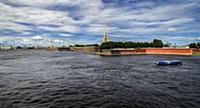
(167, 51)
(86, 49)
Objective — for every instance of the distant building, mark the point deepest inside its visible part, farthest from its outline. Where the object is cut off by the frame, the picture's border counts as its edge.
(85, 49)
(6, 47)
(183, 47)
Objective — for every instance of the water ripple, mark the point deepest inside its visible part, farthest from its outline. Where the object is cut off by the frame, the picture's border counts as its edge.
(42, 79)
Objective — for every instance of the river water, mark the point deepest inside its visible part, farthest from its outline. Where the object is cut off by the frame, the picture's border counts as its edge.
(42, 79)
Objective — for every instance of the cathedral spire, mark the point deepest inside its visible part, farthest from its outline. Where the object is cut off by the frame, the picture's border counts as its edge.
(104, 37)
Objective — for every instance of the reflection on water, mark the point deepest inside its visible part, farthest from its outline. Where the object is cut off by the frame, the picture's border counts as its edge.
(42, 79)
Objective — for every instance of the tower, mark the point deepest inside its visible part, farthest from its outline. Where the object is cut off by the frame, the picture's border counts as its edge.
(104, 37)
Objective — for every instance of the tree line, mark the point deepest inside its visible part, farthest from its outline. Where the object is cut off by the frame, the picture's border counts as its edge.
(195, 45)
(80, 45)
(156, 43)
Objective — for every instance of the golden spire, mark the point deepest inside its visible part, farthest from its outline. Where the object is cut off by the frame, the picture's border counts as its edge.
(104, 37)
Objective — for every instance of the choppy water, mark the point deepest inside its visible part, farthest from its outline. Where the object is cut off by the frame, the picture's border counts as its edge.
(42, 79)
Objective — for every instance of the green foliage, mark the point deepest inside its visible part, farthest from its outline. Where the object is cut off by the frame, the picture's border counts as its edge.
(196, 54)
(195, 45)
(166, 45)
(78, 45)
(30, 47)
(198, 45)
(110, 45)
(19, 47)
(157, 43)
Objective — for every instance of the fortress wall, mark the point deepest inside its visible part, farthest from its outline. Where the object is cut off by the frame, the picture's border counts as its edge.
(167, 51)
(196, 50)
(86, 49)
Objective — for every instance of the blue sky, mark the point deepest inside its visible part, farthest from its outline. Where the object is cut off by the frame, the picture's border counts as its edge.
(64, 22)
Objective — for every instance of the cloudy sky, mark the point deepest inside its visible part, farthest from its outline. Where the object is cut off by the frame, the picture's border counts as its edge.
(40, 22)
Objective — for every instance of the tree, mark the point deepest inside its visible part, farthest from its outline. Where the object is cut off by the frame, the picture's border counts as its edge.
(19, 47)
(110, 45)
(166, 45)
(157, 43)
(198, 45)
(193, 45)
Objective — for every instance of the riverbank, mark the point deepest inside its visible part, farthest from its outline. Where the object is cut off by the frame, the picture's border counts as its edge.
(196, 54)
(127, 51)
(123, 51)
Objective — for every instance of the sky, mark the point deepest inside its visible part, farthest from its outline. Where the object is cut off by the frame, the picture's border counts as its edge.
(68, 22)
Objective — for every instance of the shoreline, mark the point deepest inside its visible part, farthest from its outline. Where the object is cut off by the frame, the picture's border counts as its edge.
(114, 52)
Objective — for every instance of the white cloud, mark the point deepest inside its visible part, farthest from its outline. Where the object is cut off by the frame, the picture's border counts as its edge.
(66, 35)
(159, 18)
(93, 14)
(10, 15)
(12, 26)
(198, 38)
(58, 41)
(96, 18)
(37, 37)
(172, 29)
(32, 41)
(43, 3)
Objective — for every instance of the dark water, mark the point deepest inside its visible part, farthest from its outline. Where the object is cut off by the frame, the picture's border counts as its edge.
(41, 79)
